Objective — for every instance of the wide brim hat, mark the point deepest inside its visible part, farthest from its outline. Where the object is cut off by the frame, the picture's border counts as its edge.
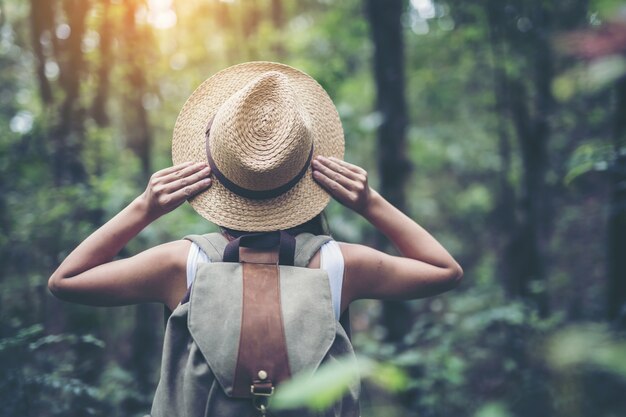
(259, 125)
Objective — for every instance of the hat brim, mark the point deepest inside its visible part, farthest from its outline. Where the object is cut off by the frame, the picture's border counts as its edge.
(225, 208)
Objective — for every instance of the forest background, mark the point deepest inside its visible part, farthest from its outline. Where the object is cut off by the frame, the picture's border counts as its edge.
(499, 125)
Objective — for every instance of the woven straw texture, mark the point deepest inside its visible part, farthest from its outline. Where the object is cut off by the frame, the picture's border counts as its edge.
(265, 116)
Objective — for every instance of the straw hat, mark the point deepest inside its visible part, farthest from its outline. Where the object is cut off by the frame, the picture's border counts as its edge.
(259, 124)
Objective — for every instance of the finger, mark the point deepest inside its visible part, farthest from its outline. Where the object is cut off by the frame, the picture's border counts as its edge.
(354, 168)
(338, 166)
(336, 176)
(185, 180)
(169, 170)
(185, 173)
(191, 190)
(332, 186)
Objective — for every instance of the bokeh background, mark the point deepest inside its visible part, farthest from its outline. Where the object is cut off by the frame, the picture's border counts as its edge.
(499, 125)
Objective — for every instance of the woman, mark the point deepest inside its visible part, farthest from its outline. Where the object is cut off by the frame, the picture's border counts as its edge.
(257, 147)
(89, 275)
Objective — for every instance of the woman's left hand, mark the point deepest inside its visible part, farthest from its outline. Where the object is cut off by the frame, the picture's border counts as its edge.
(346, 182)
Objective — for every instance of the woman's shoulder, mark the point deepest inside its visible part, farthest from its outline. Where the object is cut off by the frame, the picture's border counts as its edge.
(170, 256)
(355, 252)
(174, 250)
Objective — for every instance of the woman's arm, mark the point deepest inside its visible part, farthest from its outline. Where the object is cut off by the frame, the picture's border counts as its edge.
(90, 276)
(425, 267)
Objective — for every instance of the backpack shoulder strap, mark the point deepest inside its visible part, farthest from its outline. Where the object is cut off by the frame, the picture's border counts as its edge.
(213, 244)
(307, 245)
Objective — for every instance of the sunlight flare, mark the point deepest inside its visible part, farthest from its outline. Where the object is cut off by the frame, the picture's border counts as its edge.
(160, 14)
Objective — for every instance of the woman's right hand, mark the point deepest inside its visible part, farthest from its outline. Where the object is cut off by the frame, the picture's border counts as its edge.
(425, 267)
(170, 187)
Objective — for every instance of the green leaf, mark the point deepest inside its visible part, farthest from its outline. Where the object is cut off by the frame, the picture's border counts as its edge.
(590, 345)
(607, 8)
(332, 380)
(21, 338)
(587, 157)
(388, 376)
(317, 391)
(493, 409)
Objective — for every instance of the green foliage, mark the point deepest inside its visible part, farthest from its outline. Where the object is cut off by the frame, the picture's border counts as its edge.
(40, 373)
(478, 355)
(474, 352)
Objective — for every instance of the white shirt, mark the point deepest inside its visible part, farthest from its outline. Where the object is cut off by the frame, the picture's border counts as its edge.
(331, 260)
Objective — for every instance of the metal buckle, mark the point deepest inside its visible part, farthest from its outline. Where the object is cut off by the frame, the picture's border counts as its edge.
(261, 394)
(261, 400)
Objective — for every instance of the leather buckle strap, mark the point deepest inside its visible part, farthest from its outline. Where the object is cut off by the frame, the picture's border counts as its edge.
(261, 392)
(262, 357)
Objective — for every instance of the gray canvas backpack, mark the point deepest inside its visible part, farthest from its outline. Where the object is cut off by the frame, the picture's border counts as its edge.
(247, 325)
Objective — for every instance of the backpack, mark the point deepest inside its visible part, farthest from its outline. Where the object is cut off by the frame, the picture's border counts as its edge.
(204, 370)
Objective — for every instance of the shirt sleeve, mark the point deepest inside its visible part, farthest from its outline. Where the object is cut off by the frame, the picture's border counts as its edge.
(331, 260)
(195, 256)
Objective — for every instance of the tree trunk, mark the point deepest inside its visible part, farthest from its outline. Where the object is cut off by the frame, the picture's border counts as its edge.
(527, 251)
(617, 216)
(98, 107)
(278, 19)
(394, 168)
(534, 134)
(250, 22)
(148, 318)
(147, 341)
(69, 134)
(504, 211)
(529, 105)
(135, 116)
(41, 16)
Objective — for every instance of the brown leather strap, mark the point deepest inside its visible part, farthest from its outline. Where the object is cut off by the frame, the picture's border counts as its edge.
(262, 359)
(263, 241)
(257, 256)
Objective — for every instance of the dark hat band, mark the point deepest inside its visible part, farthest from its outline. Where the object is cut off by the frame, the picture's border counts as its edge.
(245, 192)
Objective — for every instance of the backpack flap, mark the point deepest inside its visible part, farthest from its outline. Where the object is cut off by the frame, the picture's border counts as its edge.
(308, 316)
(214, 318)
(215, 321)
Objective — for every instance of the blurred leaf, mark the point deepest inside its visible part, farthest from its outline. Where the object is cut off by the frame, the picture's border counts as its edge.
(606, 70)
(589, 78)
(23, 336)
(587, 157)
(587, 345)
(387, 376)
(607, 8)
(494, 409)
(332, 380)
(69, 338)
(319, 390)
